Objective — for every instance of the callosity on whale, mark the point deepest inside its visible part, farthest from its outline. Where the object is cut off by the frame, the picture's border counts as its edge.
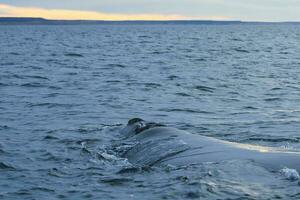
(156, 144)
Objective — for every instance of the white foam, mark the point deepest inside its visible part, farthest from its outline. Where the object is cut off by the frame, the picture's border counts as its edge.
(290, 174)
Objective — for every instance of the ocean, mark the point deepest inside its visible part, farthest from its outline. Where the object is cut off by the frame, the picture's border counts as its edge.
(66, 92)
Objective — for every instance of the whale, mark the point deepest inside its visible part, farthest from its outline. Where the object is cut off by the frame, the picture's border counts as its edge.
(154, 144)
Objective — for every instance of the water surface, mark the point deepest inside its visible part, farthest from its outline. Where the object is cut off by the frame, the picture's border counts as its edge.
(66, 91)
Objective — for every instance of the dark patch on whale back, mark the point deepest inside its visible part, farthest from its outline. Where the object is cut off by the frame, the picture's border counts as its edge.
(142, 125)
(134, 120)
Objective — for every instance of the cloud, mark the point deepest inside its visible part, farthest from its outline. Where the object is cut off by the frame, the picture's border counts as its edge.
(14, 11)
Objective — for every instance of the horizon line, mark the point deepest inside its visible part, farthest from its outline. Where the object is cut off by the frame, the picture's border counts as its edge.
(147, 20)
(13, 11)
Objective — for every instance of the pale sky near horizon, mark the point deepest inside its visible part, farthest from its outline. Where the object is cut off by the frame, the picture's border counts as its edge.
(246, 10)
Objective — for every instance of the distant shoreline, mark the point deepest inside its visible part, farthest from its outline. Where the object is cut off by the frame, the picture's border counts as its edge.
(42, 21)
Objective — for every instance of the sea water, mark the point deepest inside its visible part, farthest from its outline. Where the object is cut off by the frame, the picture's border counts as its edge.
(66, 91)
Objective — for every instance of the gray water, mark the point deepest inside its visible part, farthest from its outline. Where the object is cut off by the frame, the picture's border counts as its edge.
(66, 91)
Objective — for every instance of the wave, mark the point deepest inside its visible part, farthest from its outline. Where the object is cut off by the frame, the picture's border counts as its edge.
(4, 166)
(204, 88)
(74, 55)
(186, 110)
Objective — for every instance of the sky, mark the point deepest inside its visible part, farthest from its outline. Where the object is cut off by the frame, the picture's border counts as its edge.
(246, 10)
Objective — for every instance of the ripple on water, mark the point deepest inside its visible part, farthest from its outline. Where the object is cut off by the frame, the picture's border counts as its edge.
(240, 50)
(6, 167)
(50, 137)
(204, 88)
(173, 77)
(32, 85)
(272, 139)
(15, 53)
(114, 181)
(4, 84)
(273, 99)
(116, 66)
(187, 110)
(182, 94)
(53, 105)
(152, 85)
(73, 55)
(37, 77)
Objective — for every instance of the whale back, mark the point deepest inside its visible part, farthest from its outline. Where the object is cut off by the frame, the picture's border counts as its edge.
(165, 145)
